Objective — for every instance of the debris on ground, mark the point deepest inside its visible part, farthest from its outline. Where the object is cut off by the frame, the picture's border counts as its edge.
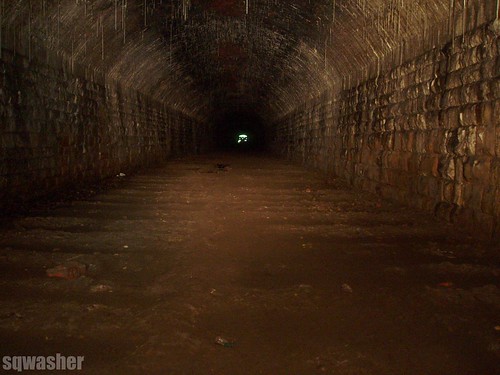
(435, 249)
(346, 288)
(8, 315)
(446, 284)
(101, 288)
(305, 287)
(95, 307)
(224, 342)
(223, 167)
(68, 271)
(121, 175)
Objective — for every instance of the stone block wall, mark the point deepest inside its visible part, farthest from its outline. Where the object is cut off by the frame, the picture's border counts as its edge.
(426, 133)
(60, 130)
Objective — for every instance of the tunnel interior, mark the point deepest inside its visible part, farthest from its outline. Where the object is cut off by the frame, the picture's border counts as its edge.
(250, 186)
(398, 97)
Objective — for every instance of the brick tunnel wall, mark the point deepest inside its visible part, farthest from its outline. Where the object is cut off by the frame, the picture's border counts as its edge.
(425, 133)
(59, 130)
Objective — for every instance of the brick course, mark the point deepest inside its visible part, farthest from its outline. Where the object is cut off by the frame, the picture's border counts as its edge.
(59, 130)
(426, 133)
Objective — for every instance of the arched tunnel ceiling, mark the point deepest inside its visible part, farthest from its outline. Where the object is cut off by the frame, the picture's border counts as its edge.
(205, 57)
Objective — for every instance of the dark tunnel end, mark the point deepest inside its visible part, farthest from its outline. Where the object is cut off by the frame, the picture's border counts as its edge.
(230, 125)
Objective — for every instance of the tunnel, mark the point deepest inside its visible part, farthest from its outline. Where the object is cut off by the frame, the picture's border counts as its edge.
(250, 187)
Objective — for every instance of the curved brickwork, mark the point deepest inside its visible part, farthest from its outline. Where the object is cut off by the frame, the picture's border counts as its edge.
(60, 130)
(425, 133)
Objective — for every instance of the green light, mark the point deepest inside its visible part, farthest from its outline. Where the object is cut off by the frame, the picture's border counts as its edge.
(242, 138)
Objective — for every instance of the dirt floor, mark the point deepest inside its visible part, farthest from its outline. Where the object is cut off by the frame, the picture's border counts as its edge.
(299, 275)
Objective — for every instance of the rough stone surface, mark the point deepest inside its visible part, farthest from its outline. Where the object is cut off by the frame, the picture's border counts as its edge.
(59, 130)
(426, 133)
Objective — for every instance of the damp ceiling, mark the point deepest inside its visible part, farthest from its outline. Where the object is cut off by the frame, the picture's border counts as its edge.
(206, 57)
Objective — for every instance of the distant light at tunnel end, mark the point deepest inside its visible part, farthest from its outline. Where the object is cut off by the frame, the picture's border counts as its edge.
(242, 138)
